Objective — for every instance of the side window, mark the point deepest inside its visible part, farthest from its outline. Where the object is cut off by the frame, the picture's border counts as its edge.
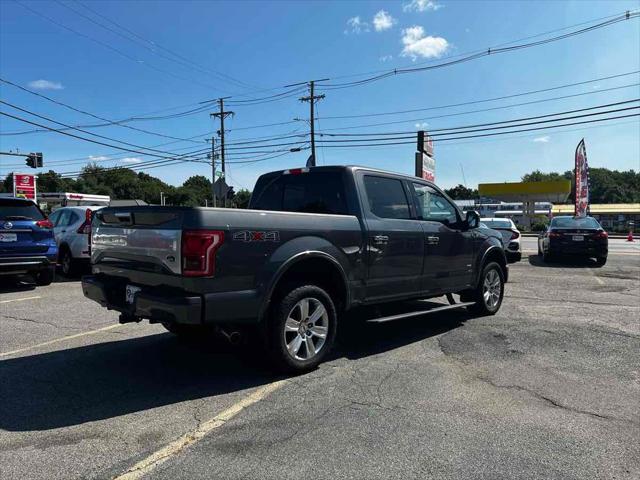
(63, 220)
(432, 205)
(73, 218)
(386, 197)
(53, 218)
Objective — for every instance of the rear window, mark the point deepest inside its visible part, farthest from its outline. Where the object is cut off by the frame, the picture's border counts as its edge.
(18, 210)
(497, 223)
(317, 192)
(571, 222)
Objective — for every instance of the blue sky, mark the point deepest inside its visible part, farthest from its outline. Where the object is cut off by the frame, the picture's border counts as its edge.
(272, 44)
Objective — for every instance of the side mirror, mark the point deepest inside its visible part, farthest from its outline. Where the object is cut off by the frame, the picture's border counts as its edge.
(473, 219)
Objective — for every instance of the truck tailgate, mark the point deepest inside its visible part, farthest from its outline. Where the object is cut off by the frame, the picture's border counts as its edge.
(138, 238)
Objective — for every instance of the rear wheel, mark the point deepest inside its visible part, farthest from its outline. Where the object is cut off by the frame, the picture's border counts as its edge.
(601, 261)
(302, 329)
(490, 290)
(44, 277)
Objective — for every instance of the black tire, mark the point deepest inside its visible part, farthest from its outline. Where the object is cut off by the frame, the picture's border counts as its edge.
(601, 261)
(44, 277)
(289, 307)
(539, 249)
(547, 257)
(482, 305)
(68, 265)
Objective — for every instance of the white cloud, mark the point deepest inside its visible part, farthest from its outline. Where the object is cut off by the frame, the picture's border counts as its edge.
(131, 160)
(97, 158)
(356, 25)
(45, 85)
(421, 126)
(417, 45)
(386, 58)
(383, 21)
(544, 139)
(421, 6)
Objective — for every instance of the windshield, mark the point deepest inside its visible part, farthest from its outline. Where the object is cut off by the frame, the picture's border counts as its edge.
(19, 210)
(572, 222)
(497, 223)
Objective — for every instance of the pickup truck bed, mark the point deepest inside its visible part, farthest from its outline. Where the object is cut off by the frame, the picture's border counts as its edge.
(314, 244)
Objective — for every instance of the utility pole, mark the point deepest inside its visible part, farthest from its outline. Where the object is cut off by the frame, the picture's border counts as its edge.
(212, 155)
(222, 115)
(312, 98)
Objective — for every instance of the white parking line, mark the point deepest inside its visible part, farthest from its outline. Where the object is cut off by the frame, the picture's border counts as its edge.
(593, 274)
(57, 340)
(160, 456)
(20, 299)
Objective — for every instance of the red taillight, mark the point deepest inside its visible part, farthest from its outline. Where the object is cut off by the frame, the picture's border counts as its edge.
(46, 223)
(199, 249)
(553, 234)
(515, 235)
(85, 228)
(601, 235)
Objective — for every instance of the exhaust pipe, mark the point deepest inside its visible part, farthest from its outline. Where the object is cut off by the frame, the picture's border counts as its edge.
(234, 337)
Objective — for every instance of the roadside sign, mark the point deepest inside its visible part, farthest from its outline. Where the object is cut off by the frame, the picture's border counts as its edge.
(24, 185)
(425, 163)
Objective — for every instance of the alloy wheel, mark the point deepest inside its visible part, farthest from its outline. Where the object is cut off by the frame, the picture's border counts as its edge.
(306, 328)
(491, 289)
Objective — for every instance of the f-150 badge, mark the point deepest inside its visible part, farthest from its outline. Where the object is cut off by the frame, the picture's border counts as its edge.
(253, 236)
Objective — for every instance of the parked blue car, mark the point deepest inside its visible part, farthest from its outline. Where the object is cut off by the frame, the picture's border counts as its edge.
(27, 244)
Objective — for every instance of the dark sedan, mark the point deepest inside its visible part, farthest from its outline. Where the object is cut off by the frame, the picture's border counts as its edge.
(577, 236)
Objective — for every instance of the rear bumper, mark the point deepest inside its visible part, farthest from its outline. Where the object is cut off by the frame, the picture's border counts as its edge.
(26, 264)
(579, 250)
(173, 306)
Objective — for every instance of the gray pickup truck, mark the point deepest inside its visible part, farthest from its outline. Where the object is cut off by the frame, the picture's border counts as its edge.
(314, 244)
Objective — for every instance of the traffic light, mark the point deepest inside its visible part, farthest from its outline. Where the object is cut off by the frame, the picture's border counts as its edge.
(34, 160)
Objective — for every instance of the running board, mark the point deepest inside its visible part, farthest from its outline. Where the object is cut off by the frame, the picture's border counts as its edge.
(419, 312)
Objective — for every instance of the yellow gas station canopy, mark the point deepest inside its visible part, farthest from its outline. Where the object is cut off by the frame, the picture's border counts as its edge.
(555, 191)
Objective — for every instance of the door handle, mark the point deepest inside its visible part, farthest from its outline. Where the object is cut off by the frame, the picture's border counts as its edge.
(380, 239)
(433, 240)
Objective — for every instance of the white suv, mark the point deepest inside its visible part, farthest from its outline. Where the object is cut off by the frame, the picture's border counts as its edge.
(510, 236)
(72, 229)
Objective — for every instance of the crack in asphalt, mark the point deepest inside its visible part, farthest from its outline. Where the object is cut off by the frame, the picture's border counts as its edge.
(530, 391)
(30, 320)
(567, 300)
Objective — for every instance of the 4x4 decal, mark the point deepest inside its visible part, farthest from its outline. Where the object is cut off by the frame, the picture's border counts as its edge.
(256, 236)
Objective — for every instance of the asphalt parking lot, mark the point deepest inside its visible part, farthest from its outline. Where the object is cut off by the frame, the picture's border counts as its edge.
(547, 388)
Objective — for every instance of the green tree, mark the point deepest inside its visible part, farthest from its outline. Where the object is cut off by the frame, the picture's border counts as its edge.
(241, 198)
(460, 192)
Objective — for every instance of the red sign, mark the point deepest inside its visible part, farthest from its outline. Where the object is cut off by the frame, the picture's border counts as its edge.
(24, 185)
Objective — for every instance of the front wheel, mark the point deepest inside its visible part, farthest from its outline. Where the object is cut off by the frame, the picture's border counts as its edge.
(490, 290)
(302, 329)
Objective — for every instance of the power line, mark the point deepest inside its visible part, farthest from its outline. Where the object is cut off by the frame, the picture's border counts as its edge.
(113, 49)
(78, 136)
(57, 102)
(469, 112)
(480, 54)
(433, 132)
(80, 130)
(154, 46)
(485, 100)
(489, 134)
